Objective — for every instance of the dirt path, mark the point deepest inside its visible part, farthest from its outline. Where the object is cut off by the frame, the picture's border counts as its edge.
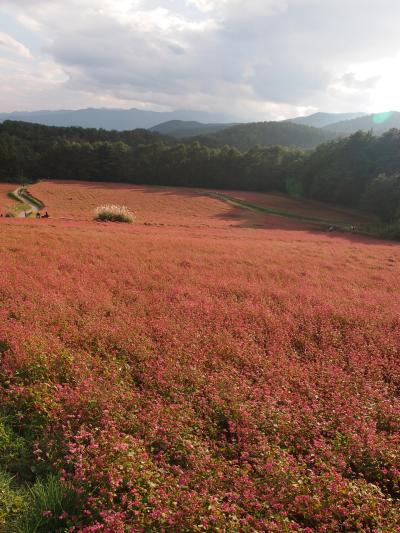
(236, 202)
(32, 207)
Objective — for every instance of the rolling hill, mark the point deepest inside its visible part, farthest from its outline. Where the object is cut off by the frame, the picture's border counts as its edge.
(181, 128)
(215, 129)
(378, 123)
(320, 120)
(247, 136)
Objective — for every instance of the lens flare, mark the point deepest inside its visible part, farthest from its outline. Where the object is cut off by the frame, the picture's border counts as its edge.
(380, 118)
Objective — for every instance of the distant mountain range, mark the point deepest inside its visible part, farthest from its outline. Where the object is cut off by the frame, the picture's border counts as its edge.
(216, 130)
(114, 119)
(303, 132)
(320, 120)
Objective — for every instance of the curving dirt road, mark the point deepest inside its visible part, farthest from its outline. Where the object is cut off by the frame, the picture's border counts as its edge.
(32, 207)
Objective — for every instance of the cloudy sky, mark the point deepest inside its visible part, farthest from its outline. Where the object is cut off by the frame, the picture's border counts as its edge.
(253, 59)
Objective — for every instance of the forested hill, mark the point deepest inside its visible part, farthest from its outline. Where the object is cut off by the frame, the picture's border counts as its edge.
(37, 133)
(247, 136)
(320, 120)
(183, 129)
(378, 123)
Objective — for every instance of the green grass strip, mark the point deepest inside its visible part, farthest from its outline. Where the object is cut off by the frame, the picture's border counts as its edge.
(272, 211)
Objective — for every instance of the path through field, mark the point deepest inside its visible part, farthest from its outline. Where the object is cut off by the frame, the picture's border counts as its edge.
(341, 218)
(32, 206)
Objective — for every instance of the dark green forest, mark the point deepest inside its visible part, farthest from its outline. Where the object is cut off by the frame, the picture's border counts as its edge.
(360, 171)
(246, 136)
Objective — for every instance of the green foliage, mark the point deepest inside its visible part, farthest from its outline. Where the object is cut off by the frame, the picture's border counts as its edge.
(12, 502)
(47, 507)
(340, 170)
(247, 136)
(294, 187)
(42, 507)
(382, 197)
(385, 231)
(14, 454)
(33, 507)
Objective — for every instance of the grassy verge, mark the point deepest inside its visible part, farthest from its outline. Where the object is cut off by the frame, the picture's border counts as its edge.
(18, 206)
(41, 507)
(383, 231)
(28, 502)
(271, 211)
(26, 195)
(379, 230)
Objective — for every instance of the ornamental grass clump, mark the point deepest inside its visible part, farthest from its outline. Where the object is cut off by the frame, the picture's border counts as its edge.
(114, 213)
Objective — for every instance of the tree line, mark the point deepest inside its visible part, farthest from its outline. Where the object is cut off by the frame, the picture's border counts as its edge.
(283, 133)
(361, 171)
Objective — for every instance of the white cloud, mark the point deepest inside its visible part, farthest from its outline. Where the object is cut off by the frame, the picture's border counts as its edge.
(28, 22)
(233, 8)
(10, 44)
(205, 5)
(258, 59)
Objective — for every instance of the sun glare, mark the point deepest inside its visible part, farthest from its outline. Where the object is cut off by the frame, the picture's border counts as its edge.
(383, 88)
(380, 118)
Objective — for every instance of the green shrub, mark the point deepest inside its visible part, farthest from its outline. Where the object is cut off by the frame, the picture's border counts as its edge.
(45, 506)
(12, 503)
(385, 231)
(14, 453)
(48, 506)
(114, 213)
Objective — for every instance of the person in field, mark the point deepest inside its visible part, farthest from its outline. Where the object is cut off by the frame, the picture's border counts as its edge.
(37, 214)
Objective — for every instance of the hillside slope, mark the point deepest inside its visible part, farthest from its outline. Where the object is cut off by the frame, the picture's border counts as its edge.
(378, 123)
(181, 129)
(320, 120)
(46, 135)
(247, 136)
(239, 375)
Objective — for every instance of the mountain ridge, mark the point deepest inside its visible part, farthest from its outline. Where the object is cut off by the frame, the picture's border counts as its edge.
(377, 123)
(181, 129)
(284, 133)
(112, 119)
(322, 119)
